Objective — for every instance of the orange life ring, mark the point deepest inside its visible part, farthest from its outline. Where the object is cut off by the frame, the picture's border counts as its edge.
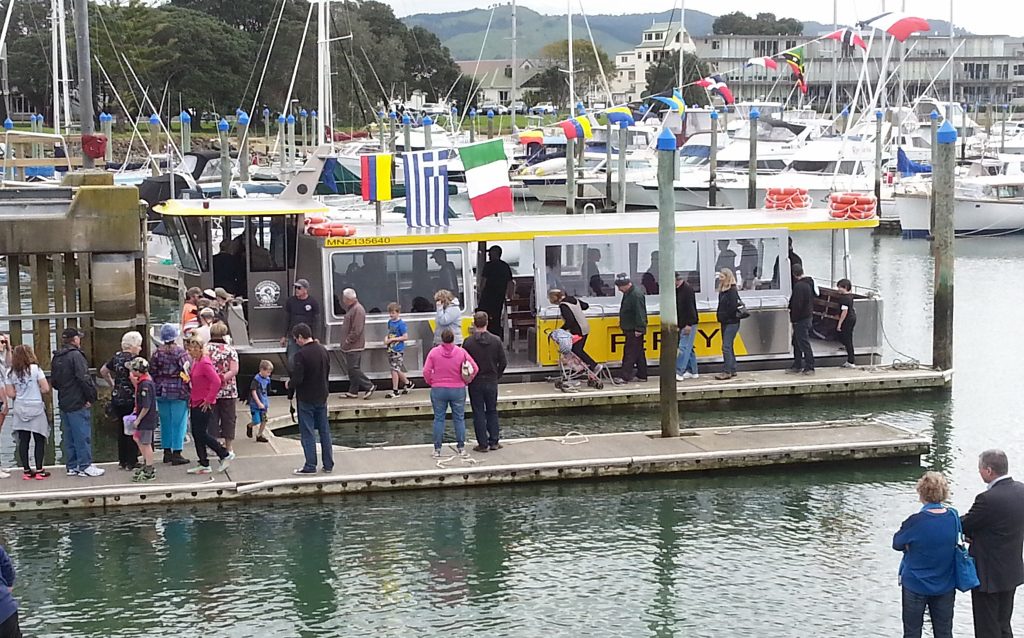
(315, 220)
(318, 231)
(326, 228)
(786, 199)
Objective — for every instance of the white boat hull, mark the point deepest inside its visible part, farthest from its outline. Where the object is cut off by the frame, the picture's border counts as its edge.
(970, 216)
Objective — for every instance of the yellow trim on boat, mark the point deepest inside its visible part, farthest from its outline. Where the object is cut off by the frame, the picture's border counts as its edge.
(245, 207)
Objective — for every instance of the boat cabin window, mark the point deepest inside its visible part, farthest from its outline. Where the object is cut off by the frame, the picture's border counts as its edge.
(228, 247)
(271, 243)
(753, 260)
(585, 269)
(184, 248)
(410, 277)
(845, 167)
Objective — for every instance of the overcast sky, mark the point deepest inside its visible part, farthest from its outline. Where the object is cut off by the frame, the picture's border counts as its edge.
(977, 16)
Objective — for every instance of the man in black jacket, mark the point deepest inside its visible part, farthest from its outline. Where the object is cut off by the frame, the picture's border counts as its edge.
(76, 392)
(310, 370)
(686, 312)
(489, 353)
(995, 528)
(801, 303)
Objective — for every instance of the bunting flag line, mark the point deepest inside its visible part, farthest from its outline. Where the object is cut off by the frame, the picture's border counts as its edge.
(487, 178)
(375, 175)
(795, 60)
(426, 188)
(619, 114)
(674, 103)
(898, 25)
(848, 37)
(569, 128)
(768, 63)
(715, 84)
(585, 128)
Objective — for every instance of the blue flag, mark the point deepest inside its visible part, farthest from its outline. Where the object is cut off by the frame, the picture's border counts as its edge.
(426, 188)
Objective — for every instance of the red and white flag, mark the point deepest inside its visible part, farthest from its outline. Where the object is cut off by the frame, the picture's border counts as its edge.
(487, 178)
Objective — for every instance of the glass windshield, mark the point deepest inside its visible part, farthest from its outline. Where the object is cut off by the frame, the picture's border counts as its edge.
(188, 260)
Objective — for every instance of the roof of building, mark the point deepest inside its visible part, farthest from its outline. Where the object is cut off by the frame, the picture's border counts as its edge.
(490, 74)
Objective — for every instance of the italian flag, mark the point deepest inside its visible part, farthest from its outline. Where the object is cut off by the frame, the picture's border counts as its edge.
(487, 178)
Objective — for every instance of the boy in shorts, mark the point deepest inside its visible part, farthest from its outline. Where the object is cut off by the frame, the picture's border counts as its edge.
(398, 333)
(259, 401)
(146, 417)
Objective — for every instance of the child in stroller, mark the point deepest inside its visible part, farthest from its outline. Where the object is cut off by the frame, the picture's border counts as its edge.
(572, 370)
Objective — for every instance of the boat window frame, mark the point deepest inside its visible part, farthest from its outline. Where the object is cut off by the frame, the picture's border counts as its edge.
(710, 254)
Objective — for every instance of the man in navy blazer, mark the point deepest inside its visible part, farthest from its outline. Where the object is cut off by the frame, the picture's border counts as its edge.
(995, 528)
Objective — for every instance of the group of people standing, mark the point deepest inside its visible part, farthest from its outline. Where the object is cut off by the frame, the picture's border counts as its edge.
(930, 539)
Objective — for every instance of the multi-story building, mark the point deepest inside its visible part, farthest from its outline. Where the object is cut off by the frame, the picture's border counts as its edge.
(988, 69)
(660, 41)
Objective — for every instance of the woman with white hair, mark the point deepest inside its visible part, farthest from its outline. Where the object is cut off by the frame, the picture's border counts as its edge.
(122, 397)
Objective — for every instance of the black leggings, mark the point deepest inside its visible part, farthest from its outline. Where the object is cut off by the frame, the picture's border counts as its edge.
(846, 337)
(23, 438)
(578, 349)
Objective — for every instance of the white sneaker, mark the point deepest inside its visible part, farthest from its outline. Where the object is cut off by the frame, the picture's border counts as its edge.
(682, 377)
(436, 454)
(694, 376)
(74, 473)
(462, 451)
(225, 462)
(847, 364)
(4, 474)
(199, 469)
(93, 471)
(688, 375)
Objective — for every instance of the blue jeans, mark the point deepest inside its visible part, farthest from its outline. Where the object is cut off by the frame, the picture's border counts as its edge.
(440, 399)
(77, 438)
(729, 332)
(687, 359)
(313, 420)
(483, 396)
(173, 423)
(940, 608)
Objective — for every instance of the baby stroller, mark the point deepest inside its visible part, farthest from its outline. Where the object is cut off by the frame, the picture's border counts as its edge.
(571, 368)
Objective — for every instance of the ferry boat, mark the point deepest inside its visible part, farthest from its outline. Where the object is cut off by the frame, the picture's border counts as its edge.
(579, 254)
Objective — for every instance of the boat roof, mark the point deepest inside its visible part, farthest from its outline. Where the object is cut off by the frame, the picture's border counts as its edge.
(245, 207)
(528, 227)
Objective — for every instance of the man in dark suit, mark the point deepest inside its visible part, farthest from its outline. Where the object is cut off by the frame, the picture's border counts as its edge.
(995, 528)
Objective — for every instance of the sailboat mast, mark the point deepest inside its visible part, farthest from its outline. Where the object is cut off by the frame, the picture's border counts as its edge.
(323, 63)
(572, 71)
(835, 59)
(952, 66)
(682, 31)
(512, 93)
(65, 74)
(55, 65)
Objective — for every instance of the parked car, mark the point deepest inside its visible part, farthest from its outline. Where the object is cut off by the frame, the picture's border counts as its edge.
(434, 109)
(544, 108)
(499, 109)
(519, 107)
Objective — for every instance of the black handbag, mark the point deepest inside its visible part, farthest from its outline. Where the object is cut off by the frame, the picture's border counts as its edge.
(741, 311)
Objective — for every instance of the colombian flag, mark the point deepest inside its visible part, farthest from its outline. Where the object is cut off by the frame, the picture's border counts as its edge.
(376, 177)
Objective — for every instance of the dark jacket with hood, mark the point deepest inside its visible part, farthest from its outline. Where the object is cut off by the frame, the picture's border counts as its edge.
(69, 374)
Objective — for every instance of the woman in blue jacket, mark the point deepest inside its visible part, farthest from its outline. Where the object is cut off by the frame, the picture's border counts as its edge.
(9, 627)
(927, 572)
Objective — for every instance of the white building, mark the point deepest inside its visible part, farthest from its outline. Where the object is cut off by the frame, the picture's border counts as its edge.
(988, 69)
(494, 78)
(660, 41)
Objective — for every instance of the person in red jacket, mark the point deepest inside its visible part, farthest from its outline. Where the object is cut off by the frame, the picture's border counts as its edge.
(205, 385)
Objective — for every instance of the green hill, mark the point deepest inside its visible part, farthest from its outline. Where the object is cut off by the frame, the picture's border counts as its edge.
(463, 31)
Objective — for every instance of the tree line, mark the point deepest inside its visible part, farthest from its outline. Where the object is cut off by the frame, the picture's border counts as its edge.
(208, 56)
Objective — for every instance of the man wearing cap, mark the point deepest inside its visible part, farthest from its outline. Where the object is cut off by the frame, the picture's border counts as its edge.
(686, 312)
(190, 309)
(221, 303)
(633, 323)
(300, 308)
(76, 392)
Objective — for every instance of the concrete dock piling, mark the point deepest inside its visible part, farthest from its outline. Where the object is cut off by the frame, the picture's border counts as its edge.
(666, 287)
(942, 247)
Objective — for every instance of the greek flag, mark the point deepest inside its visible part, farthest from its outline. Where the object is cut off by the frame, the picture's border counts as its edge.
(426, 188)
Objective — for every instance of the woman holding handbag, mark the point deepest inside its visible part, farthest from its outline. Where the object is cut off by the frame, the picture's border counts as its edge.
(26, 385)
(730, 311)
(928, 540)
(448, 370)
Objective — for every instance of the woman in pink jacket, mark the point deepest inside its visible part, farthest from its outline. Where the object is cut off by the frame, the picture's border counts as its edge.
(206, 384)
(448, 370)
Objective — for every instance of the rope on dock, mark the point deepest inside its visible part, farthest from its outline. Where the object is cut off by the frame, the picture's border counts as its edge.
(443, 462)
(570, 438)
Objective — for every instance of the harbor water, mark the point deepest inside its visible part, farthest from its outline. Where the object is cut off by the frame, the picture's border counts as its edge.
(788, 552)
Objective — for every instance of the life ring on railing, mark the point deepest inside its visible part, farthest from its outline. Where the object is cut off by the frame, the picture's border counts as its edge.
(323, 228)
(852, 206)
(786, 199)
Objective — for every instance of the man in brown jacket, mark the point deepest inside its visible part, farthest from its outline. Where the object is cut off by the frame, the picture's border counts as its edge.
(353, 342)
